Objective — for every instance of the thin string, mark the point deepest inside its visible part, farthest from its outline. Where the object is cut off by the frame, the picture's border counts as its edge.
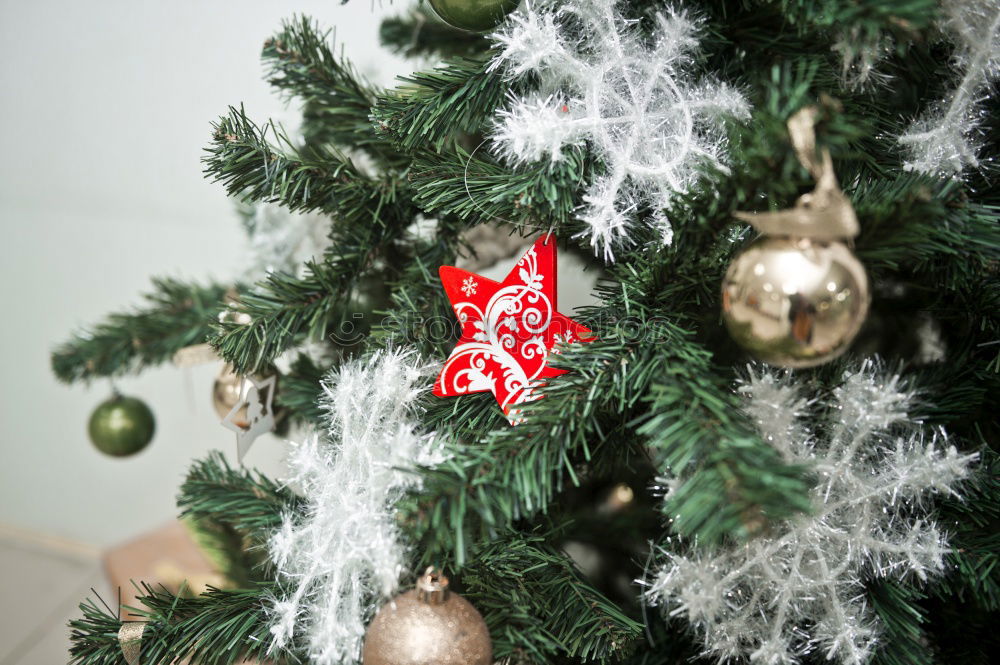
(468, 193)
(465, 182)
(642, 598)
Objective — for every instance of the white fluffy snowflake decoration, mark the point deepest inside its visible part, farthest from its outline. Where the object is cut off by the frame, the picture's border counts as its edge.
(344, 552)
(943, 141)
(778, 598)
(635, 100)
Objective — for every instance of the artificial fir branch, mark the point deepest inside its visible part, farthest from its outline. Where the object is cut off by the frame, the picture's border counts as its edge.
(433, 107)
(283, 309)
(300, 390)
(217, 628)
(421, 33)
(864, 17)
(220, 627)
(974, 571)
(738, 483)
(230, 552)
(538, 605)
(924, 226)
(260, 163)
(301, 63)
(897, 606)
(369, 213)
(417, 310)
(516, 472)
(177, 314)
(475, 188)
(627, 403)
(730, 481)
(286, 309)
(245, 500)
(94, 635)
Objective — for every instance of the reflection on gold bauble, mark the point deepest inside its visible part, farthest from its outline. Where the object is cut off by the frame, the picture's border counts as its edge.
(428, 626)
(226, 394)
(795, 302)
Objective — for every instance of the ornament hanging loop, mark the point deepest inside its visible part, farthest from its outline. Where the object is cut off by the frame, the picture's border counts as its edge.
(432, 587)
(822, 214)
(802, 131)
(130, 640)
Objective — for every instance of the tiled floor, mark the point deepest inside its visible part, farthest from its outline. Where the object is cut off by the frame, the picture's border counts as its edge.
(41, 584)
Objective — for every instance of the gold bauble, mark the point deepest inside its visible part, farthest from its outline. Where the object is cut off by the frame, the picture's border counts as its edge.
(795, 302)
(428, 625)
(227, 392)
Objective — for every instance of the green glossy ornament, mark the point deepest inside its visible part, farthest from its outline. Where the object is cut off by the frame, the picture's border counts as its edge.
(473, 15)
(121, 426)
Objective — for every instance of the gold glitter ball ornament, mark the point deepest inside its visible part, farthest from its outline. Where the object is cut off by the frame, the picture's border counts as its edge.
(795, 302)
(428, 625)
(228, 391)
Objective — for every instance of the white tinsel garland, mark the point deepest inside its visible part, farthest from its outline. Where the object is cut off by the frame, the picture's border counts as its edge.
(943, 141)
(637, 102)
(344, 552)
(778, 598)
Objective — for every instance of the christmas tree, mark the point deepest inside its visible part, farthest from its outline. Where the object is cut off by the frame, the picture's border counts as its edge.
(623, 483)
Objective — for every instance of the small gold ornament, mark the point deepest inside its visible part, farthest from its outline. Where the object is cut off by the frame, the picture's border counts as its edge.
(227, 392)
(231, 388)
(428, 625)
(797, 296)
(795, 302)
(253, 413)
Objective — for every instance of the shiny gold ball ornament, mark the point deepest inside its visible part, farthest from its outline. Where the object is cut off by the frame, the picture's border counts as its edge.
(428, 625)
(228, 390)
(121, 426)
(473, 15)
(795, 302)
(797, 296)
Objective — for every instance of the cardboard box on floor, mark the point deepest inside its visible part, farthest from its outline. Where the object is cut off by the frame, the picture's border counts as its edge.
(166, 556)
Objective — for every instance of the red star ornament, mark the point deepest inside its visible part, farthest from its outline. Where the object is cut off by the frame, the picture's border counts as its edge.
(509, 329)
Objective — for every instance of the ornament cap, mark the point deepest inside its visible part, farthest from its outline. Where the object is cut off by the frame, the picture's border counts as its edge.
(432, 587)
(822, 214)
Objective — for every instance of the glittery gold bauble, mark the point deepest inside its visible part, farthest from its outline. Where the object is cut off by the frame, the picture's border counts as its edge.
(795, 302)
(227, 393)
(428, 626)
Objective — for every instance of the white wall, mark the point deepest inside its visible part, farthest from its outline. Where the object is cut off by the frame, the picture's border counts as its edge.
(105, 110)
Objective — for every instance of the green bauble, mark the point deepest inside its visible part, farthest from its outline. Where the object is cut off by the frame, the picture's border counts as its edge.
(121, 426)
(473, 15)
